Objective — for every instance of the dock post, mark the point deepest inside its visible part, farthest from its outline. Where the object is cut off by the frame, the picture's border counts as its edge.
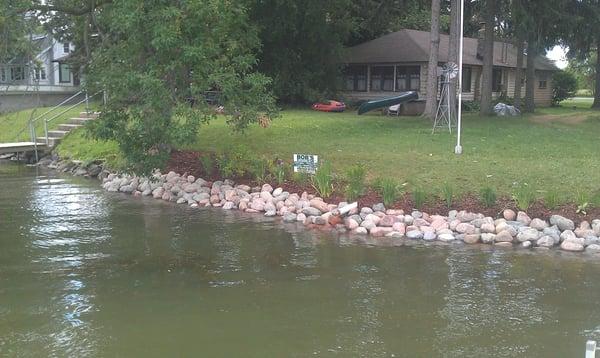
(590, 349)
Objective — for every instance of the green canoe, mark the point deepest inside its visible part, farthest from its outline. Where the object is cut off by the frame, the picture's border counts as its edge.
(386, 102)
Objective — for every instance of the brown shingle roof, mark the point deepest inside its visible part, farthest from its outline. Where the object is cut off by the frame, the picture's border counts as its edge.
(413, 46)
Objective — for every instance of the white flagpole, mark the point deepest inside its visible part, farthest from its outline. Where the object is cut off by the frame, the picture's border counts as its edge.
(458, 148)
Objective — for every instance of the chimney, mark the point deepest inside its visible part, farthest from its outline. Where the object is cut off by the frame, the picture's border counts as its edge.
(480, 36)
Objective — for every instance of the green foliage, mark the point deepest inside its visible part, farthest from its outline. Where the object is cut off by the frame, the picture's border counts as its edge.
(389, 189)
(322, 181)
(471, 106)
(355, 182)
(419, 196)
(235, 162)
(488, 196)
(564, 85)
(169, 54)
(261, 170)
(551, 199)
(583, 201)
(301, 178)
(595, 199)
(208, 164)
(280, 172)
(524, 197)
(448, 193)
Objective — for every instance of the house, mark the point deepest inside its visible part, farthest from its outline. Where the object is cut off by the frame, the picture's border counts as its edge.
(45, 80)
(398, 61)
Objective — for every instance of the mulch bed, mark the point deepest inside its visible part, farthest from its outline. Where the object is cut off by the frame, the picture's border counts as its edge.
(182, 161)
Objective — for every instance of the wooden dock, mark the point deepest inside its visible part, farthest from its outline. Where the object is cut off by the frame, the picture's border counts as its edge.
(20, 147)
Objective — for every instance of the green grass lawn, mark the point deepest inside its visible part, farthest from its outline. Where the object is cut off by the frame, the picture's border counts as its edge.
(554, 150)
(14, 125)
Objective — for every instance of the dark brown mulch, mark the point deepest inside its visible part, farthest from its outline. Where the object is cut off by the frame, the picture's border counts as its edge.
(182, 161)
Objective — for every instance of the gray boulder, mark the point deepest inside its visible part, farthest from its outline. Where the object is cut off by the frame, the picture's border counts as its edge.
(562, 222)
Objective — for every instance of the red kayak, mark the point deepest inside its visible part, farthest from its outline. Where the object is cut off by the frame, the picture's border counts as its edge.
(329, 106)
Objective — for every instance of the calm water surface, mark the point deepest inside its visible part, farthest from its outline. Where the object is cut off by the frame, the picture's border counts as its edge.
(88, 273)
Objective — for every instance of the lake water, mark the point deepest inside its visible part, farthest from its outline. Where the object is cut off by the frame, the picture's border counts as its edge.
(84, 272)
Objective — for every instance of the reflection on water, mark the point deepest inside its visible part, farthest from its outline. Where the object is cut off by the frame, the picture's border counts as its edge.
(88, 273)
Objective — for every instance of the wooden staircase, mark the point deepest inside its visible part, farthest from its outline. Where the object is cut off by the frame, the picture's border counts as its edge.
(54, 136)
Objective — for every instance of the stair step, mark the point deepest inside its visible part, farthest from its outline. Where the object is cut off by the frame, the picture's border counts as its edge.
(57, 134)
(79, 120)
(52, 141)
(88, 114)
(69, 127)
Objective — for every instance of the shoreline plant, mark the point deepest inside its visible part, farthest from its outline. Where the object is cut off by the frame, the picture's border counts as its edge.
(355, 182)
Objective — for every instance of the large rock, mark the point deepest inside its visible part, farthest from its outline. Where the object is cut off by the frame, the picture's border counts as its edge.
(399, 227)
(380, 231)
(546, 241)
(465, 216)
(538, 224)
(562, 222)
(571, 246)
(379, 207)
(446, 237)
(509, 214)
(464, 228)
(267, 187)
(527, 234)
(523, 218)
(429, 235)
(503, 236)
(388, 220)
(351, 224)
(566, 235)
(471, 238)
(319, 204)
(596, 227)
(415, 234)
(311, 211)
(368, 224)
(594, 248)
(488, 238)
(592, 240)
(373, 218)
(553, 232)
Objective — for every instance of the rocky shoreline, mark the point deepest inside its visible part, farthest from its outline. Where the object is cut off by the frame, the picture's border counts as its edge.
(512, 229)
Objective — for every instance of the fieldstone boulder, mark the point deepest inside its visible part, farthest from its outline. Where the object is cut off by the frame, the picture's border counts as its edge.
(566, 235)
(446, 237)
(553, 232)
(267, 187)
(464, 228)
(379, 207)
(361, 231)
(526, 244)
(592, 240)
(319, 204)
(311, 211)
(228, 205)
(388, 220)
(594, 248)
(465, 217)
(562, 222)
(399, 227)
(301, 217)
(471, 238)
(373, 218)
(503, 236)
(351, 224)
(416, 214)
(509, 214)
(545, 241)
(429, 235)
(488, 238)
(488, 228)
(527, 234)
(596, 227)
(571, 246)
(368, 224)
(380, 231)
(415, 234)
(523, 218)
(538, 224)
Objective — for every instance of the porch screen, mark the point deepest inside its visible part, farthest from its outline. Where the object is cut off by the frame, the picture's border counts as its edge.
(355, 78)
(382, 78)
(408, 78)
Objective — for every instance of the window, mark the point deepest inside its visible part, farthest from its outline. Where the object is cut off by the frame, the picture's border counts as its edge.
(355, 78)
(466, 79)
(66, 47)
(17, 73)
(2, 74)
(382, 78)
(497, 80)
(64, 73)
(543, 80)
(408, 78)
(40, 73)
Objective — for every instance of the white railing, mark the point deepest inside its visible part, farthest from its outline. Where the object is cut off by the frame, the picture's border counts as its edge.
(590, 349)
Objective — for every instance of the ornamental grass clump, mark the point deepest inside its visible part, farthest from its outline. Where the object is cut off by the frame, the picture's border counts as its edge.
(322, 181)
(524, 196)
(235, 162)
(419, 196)
(488, 196)
(280, 172)
(582, 201)
(448, 193)
(260, 170)
(389, 189)
(355, 182)
(551, 199)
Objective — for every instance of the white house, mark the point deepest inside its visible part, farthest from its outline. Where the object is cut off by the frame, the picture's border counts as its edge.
(45, 80)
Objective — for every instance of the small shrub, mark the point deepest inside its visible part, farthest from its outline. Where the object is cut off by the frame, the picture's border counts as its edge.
(551, 199)
(595, 200)
(355, 177)
(488, 196)
(389, 189)
(524, 197)
(448, 192)
(208, 164)
(236, 161)
(260, 170)
(564, 85)
(322, 181)
(419, 197)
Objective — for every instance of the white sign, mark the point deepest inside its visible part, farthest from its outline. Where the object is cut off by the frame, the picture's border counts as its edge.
(306, 163)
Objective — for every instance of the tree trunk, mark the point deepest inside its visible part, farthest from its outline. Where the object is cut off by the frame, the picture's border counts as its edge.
(596, 104)
(519, 71)
(431, 101)
(530, 73)
(488, 59)
(453, 48)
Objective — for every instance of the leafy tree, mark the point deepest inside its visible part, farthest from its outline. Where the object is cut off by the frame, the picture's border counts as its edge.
(156, 63)
(584, 70)
(431, 100)
(564, 85)
(488, 57)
